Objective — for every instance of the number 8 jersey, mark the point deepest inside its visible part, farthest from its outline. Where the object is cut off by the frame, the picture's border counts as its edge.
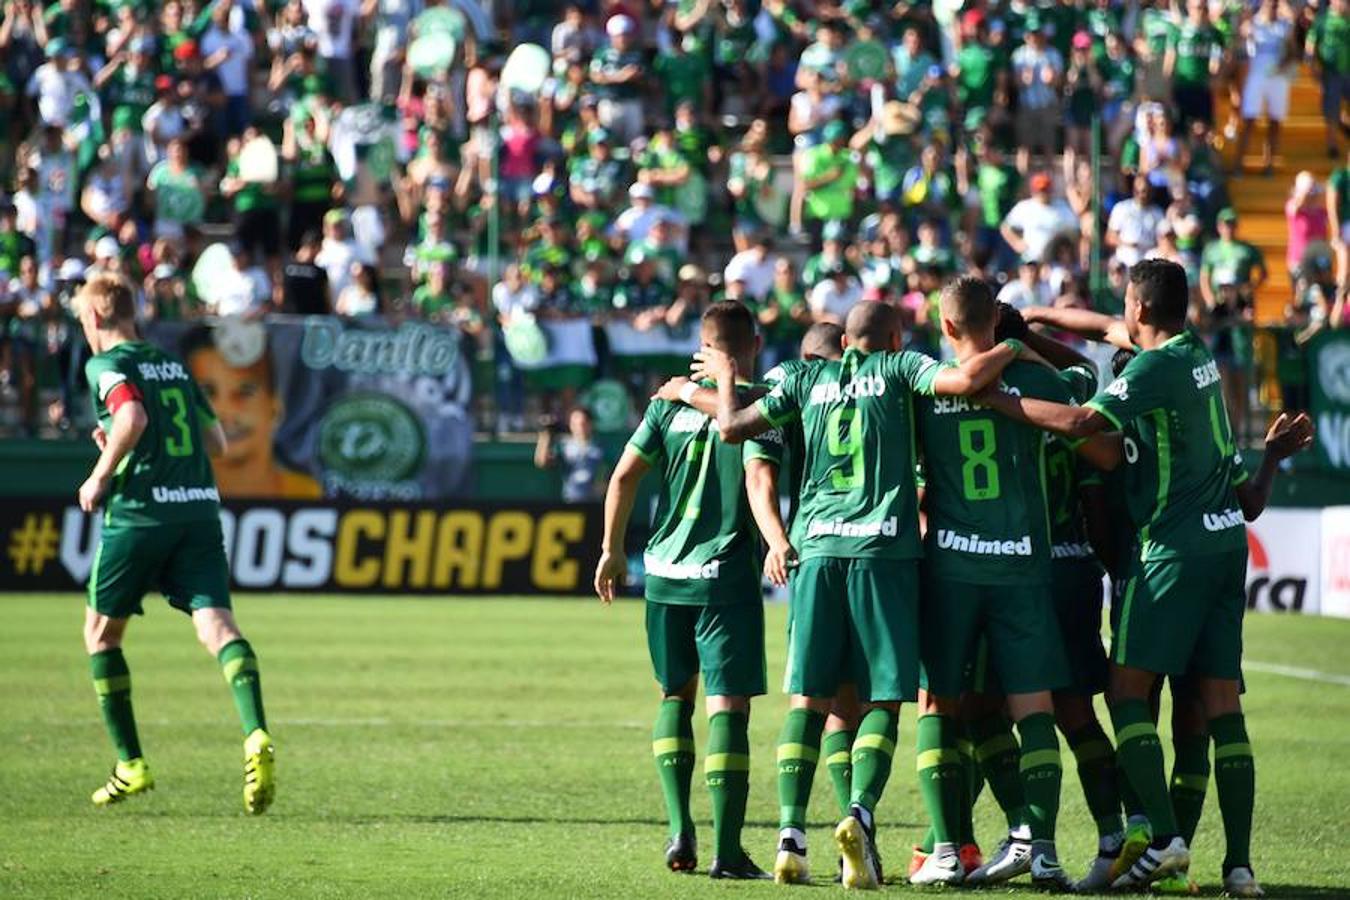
(167, 477)
(985, 485)
(858, 495)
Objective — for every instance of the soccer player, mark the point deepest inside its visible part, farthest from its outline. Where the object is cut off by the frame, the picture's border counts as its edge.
(1184, 600)
(986, 571)
(161, 530)
(854, 594)
(704, 606)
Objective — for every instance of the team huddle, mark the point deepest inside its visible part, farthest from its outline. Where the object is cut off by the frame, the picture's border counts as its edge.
(948, 530)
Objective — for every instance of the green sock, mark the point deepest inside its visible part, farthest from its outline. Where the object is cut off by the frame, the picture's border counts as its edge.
(1139, 755)
(1128, 798)
(1190, 778)
(997, 753)
(240, 667)
(971, 783)
(798, 751)
(1096, 760)
(112, 683)
(940, 776)
(873, 749)
(1235, 783)
(673, 747)
(1042, 772)
(727, 770)
(838, 749)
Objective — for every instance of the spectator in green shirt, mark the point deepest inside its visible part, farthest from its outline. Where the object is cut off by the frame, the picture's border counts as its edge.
(1231, 271)
(828, 176)
(1328, 47)
(257, 220)
(1194, 53)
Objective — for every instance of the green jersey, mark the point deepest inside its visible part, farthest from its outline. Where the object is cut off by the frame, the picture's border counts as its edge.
(858, 498)
(1065, 473)
(166, 478)
(703, 547)
(1330, 41)
(1196, 46)
(1181, 462)
(985, 485)
(1230, 262)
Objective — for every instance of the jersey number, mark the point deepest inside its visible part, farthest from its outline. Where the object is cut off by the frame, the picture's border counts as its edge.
(979, 471)
(845, 431)
(180, 444)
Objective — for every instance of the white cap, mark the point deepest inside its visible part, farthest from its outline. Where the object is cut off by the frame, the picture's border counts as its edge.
(641, 189)
(71, 270)
(106, 247)
(620, 24)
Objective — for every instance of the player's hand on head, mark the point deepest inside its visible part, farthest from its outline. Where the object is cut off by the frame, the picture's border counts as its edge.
(1289, 435)
(91, 492)
(713, 364)
(610, 572)
(1010, 322)
(778, 562)
(670, 391)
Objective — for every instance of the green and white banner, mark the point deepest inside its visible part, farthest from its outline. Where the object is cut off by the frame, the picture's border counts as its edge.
(1329, 377)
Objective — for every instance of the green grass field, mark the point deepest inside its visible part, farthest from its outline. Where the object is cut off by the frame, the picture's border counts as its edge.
(500, 748)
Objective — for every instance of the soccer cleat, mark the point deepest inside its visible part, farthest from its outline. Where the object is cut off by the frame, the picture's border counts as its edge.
(917, 859)
(1138, 835)
(1175, 886)
(1098, 877)
(682, 853)
(743, 870)
(942, 867)
(1046, 872)
(861, 871)
(971, 857)
(260, 774)
(1012, 858)
(790, 867)
(1157, 862)
(129, 777)
(1241, 882)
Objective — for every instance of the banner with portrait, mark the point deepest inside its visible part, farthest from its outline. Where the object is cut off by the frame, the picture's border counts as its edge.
(322, 407)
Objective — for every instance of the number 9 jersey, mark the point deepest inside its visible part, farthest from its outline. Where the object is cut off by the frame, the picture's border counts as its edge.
(167, 477)
(858, 496)
(985, 483)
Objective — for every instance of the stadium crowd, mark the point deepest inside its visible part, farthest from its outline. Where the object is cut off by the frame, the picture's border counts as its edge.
(799, 155)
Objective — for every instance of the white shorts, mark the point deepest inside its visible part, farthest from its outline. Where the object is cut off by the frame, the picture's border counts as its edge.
(1267, 93)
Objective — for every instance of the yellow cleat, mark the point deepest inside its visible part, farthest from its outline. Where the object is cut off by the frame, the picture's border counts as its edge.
(128, 777)
(260, 778)
(855, 847)
(1137, 838)
(1178, 885)
(790, 867)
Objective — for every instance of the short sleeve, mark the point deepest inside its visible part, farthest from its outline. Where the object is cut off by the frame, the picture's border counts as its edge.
(1239, 469)
(1137, 391)
(646, 440)
(909, 370)
(1080, 380)
(767, 446)
(782, 404)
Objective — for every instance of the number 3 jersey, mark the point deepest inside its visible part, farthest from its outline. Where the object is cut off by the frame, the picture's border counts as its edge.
(858, 488)
(985, 485)
(166, 478)
(703, 549)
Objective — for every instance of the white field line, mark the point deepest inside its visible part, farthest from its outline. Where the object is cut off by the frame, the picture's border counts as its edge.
(1295, 672)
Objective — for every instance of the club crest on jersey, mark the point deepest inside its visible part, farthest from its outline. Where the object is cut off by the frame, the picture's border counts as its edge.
(1120, 389)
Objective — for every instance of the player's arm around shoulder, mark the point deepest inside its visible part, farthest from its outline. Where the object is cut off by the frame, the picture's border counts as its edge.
(1103, 449)
(969, 377)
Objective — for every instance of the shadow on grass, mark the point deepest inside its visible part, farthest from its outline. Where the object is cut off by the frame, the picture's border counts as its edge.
(478, 818)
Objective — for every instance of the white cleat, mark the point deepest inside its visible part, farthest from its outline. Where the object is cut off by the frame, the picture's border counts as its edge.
(1241, 882)
(941, 867)
(1156, 863)
(1046, 872)
(1012, 858)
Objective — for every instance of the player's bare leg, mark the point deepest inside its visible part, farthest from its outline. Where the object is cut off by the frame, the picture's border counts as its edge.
(218, 633)
(673, 749)
(727, 769)
(112, 682)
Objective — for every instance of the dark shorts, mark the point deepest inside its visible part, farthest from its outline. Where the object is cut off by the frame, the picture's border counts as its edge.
(186, 563)
(854, 620)
(1077, 590)
(1335, 92)
(1194, 102)
(1026, 651)
(724, 643)
(1184, 616)
(260, 231)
